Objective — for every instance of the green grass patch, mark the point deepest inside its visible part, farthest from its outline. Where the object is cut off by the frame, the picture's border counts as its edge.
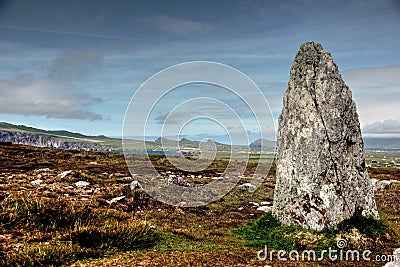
(267, 230)
(359, 232)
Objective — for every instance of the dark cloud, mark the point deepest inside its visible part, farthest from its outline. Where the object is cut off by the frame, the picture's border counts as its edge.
(75, 65)
(179, 117)
(180, 26)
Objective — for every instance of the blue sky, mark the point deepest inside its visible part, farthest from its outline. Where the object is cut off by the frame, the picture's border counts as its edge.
(76, 65)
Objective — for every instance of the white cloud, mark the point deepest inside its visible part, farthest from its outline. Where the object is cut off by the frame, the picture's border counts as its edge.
(389, 127)
(376, 92)
(384, 80)
(55, 95)
(180, 26)
(53, 99)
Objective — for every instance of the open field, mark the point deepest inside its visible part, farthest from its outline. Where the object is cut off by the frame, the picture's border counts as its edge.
(382, 158)
(81, 208)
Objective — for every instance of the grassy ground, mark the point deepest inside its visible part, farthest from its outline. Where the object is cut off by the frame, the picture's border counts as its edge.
(48, 218)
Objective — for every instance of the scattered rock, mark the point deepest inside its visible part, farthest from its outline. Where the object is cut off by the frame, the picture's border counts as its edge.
(135, 184)
(81, 184)
(173, 179)
(36, 182)
(114, 200)
(321, 177)
(380, 185)
(265, 208)
(248, 185)
(63, 174)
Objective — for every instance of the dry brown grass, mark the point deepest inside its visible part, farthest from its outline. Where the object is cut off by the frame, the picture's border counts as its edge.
(54, 221)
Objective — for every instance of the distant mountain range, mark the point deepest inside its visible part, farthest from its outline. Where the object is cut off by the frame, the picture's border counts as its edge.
(369, 143)
(381, 143)
(21, 134)
(186, 143)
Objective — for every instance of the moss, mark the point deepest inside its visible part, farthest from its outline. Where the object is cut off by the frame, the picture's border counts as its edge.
(267, 230)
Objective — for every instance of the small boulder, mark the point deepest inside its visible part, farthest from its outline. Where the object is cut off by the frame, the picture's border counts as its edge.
(63, 174)
(135, 184)
(81, 184)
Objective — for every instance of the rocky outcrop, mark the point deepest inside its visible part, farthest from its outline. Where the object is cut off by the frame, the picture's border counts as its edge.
(321, 174)
(40, 140)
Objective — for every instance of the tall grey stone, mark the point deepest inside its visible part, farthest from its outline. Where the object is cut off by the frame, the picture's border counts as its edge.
(321, 177)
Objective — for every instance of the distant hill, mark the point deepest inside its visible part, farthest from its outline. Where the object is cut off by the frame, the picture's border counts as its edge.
(60, 133)
(21, 134)
(162, 140)
(264, 143)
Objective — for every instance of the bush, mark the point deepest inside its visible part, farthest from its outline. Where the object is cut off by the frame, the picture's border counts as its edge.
(74, 231)
(53, 254)
(124, 236)
(41, 214)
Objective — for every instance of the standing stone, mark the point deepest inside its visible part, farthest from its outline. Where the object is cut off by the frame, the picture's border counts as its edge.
(321, 177)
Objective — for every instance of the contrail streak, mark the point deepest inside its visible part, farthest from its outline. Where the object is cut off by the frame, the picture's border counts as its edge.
(76, 33)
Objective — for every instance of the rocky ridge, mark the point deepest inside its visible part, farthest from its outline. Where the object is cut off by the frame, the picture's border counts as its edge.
(40, 140)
